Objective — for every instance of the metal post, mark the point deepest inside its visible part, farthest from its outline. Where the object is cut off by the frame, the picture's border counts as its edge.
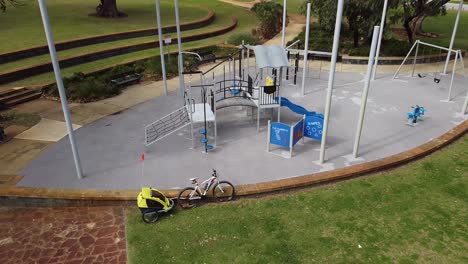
(179, 46)
(382, 25)
(306, 50)
(407, 55)
(454, 34)
(331, 78)
(291, 138)
(415, 58)
(283, 37)
(190, 109)
(248, 61)
(453, 76)
(465, 105)
(365, 92)
(268, 136)
(61, 89)
(161, 46)
(279, 92)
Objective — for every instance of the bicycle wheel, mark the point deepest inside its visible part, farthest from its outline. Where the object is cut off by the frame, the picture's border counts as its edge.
(150, 217)
(186, 201)
(223, 191)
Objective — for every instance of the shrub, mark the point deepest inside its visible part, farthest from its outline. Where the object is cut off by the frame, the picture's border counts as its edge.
(236, 39)
(395, 47)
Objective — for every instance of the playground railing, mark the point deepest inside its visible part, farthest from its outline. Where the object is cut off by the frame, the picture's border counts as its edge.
(268, 95)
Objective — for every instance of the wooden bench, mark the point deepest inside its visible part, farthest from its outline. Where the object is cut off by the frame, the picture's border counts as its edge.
(125, 79)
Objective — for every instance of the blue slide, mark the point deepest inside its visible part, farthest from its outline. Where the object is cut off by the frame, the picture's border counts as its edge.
(297, 108)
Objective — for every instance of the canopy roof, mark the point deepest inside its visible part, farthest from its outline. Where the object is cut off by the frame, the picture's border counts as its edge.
(272, 56)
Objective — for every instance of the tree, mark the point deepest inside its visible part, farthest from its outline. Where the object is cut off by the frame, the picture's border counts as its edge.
(415, 11)
(361, 15)
(270, 15)
(4, 3)
(108, 8)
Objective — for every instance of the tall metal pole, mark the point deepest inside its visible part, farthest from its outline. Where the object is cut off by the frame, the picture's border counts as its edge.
(61, 89)
(161, 46)
(331, 78)
(365, 93)
(454, 34)
(306, 50)
(283, 36)
(179, 45)
(382, 27)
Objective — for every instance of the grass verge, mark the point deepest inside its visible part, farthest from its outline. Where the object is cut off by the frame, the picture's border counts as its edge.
(417, 213)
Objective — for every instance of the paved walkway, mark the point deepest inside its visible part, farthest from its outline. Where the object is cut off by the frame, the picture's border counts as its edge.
(62, 235)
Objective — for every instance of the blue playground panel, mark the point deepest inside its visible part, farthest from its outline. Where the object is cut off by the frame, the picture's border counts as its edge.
(298, 131)
(280, 134)
(313, 127)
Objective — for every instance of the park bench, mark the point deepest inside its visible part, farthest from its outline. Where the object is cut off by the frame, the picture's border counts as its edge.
(125, 79)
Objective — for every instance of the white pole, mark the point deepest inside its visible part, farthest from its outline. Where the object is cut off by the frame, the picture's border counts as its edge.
(61, 89)
(331, 78)
(382, 27)
(407, 55)
(279, 92)
(415, 58)
(365, 93)
(161, 46)
(179, 45)
(268, 136)
(465, 105)
(453, 76)
(306, 50)
(283, 37)
(291, 137)
(454, 34)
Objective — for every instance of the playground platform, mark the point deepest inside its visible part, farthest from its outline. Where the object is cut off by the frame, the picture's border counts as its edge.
(111, 147)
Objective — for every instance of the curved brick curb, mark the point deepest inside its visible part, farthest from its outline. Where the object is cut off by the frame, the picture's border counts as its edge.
(74, 43)
(28, 196)
(27, 72)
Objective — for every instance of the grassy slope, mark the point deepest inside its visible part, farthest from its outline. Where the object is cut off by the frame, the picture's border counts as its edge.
(223, 13)
(219, 23)
(443, 26)
(70, 19)
(417, 213)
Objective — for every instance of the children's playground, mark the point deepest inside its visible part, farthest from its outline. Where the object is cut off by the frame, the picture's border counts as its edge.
(260, 114)
(249, 116)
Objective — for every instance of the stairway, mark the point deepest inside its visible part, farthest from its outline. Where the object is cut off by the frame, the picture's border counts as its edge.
(16, 96)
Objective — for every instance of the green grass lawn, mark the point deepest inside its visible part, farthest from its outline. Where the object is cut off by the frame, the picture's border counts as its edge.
(414, 214)
(219, 22)
(70, 19)
(246, 21)
(443, 26)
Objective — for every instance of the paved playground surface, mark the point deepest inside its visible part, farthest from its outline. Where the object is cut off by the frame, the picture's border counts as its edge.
(111, 147)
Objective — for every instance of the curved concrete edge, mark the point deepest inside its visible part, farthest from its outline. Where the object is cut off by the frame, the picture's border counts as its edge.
(54, 196)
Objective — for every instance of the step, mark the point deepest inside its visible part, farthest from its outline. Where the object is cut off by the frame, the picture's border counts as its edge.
(24, 99)
(19, 94)
(209, 147)
(202, 131)
(203, 140)
(11, 91)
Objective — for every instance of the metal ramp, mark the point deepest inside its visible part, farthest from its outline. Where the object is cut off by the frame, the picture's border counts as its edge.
(166, 125)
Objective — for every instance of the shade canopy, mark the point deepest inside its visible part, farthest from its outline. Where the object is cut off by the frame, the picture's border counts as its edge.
(273, 56)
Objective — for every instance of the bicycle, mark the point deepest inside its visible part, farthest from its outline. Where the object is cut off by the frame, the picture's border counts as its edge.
(222, 191)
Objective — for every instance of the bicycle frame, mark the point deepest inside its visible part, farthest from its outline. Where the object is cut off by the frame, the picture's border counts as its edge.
(209, 182)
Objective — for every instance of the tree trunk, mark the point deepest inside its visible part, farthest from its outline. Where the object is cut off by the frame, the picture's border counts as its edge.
(108, 8)
(355, 38)
(418, 25)
(408, 30)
